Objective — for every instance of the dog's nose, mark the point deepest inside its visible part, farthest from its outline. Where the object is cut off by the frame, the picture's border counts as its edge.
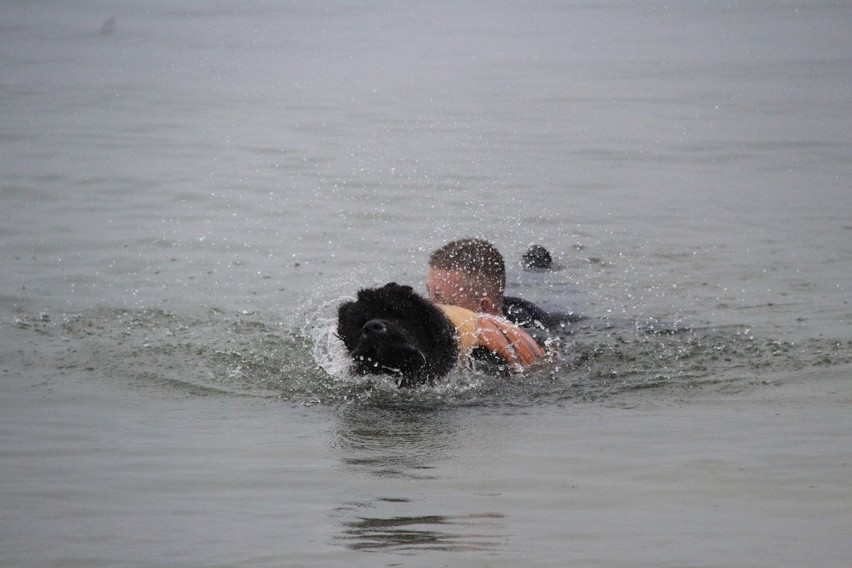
(374, 327)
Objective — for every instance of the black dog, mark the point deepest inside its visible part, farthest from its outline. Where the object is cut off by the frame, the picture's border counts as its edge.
(393, 330)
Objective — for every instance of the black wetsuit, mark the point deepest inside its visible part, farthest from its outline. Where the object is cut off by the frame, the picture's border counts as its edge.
(526, 314)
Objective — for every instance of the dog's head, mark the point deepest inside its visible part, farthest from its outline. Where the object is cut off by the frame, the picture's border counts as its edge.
(393, 330)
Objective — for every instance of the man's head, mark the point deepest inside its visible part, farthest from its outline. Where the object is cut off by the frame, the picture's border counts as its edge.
(469, 273)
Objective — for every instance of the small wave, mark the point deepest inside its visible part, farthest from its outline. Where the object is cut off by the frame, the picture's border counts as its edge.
(214, 352)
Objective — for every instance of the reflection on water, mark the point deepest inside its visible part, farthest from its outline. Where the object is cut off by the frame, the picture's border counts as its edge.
(459, 533)
(405, 441)
(403, 444)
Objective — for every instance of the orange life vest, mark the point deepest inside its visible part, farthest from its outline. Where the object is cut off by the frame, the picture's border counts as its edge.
(498, 334)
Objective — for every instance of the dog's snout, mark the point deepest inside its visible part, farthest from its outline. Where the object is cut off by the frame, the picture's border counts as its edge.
(375, 327)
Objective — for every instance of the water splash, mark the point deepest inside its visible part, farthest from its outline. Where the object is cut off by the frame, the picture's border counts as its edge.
(214, 352)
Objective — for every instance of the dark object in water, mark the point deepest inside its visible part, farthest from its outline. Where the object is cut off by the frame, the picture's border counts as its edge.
(392, 330)
(108, 26)
(537, 257)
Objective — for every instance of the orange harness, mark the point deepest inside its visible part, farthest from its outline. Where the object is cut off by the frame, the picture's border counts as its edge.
(499, 335)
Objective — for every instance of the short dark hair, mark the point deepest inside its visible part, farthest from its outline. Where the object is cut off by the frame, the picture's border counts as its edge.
(475, 257)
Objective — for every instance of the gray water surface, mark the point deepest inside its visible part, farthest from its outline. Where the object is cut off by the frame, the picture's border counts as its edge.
(188, 191)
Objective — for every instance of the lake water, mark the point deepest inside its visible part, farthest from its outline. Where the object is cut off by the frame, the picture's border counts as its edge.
(187, 192)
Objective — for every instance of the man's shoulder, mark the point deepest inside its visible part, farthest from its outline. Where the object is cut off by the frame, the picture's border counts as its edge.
(527, 314)
(523, 312)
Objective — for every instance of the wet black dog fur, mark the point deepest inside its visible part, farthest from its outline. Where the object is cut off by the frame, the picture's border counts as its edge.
(393, 330)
